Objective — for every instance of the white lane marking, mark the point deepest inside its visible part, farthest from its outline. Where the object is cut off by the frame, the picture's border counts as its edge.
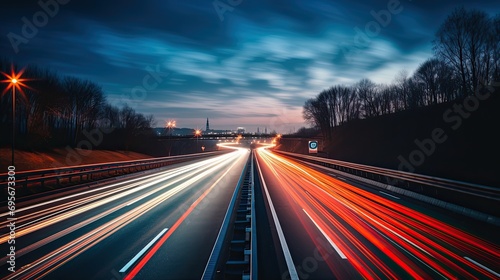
(375, 221)
(341, 254)
(141, 252)
(220, 236)
(134, 201)
(286, 252)
(389, 195)
(482, 266)
(408, 252)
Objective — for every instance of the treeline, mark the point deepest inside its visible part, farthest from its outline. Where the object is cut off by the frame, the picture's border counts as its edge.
(55, 111)
(466, 59)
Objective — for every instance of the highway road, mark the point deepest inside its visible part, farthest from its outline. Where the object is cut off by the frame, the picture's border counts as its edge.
(162, 225)
(311, 224)
(332, 228)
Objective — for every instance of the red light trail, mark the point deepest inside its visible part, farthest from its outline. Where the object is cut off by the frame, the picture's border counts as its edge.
(420, 245)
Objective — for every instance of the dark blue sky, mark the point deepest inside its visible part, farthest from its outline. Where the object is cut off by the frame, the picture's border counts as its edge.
(252, 65)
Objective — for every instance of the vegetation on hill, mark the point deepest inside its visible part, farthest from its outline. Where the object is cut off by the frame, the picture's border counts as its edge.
(441, 120)
(466, 65)
(57, 111)
(467, 149)
(59, 157)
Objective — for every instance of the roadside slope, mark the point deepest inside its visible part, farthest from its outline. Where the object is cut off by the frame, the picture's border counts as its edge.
(25, 160)
(470, 150)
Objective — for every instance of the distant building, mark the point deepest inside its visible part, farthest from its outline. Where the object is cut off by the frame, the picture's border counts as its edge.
(209, 131)
(176, 131)
(218, 131)
(240, 130)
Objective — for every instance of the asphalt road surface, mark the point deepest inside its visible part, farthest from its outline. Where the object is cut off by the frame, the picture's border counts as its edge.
(311, 224)
(159, 226)
(337, 229)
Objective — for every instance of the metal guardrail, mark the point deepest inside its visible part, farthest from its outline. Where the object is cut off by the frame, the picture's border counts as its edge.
(397, 175)
(253, 231)
(234, 255)
(89, 172)
(476, 196)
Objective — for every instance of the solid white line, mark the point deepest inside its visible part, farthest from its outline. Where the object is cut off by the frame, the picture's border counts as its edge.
(341, 254)
(141, 252)
(389, 195)
(375, 221)
(134, 201)
(406, 251)
(484, 267)
(286, 252)
(225, 222)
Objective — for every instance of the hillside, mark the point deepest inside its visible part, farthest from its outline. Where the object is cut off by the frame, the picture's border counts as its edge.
(25, 160)
(469, 148)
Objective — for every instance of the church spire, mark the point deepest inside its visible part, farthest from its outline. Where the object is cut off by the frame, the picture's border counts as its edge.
(208, 126)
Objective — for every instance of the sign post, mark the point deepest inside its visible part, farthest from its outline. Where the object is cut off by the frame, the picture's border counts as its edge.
(313, 147)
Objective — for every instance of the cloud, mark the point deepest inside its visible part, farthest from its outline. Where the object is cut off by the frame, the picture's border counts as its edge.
(255, 68)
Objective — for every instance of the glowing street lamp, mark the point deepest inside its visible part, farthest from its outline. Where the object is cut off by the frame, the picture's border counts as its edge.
(14, 81)
(197, 134)
(170, 125)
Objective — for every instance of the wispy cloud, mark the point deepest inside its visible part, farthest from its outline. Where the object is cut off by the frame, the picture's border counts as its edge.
(256, 68)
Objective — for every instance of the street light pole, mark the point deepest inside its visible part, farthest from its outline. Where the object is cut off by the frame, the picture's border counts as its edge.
(197, 134)
(14, 81)
(170, 126)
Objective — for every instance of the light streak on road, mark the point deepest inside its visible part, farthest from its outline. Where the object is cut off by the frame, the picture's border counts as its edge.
(356, 220)
(136, 197)
(157, 246)
(284, 246)
(57, 213)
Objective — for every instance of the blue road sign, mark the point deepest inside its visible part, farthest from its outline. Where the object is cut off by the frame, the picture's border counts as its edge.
(313, 147)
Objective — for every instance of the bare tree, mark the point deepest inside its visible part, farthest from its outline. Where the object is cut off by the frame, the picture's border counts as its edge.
(478, 53)
(401, 82)
(85, 102)
(349, 107)
(386, 99)
(315, 111)
(43, 109)
(437, 80)
(468, 42)
(110, 117)
(331, 97)
(450, 43)
(495, 47)
(368, 96)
